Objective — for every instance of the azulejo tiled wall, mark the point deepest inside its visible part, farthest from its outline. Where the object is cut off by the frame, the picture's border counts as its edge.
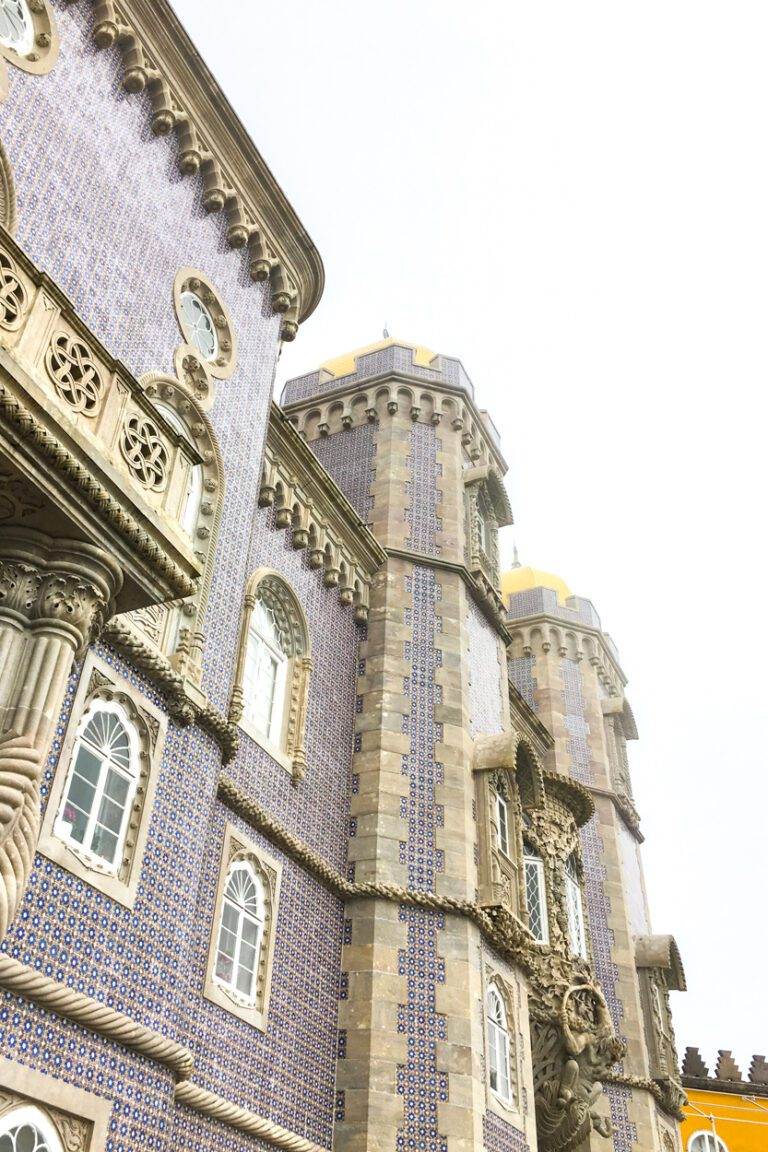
(350, 458)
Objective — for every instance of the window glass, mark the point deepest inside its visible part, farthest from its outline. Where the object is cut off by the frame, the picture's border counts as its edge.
(502, 815)
(240, 932)
(535, 894)
(576, 932)
(264, 677)
(190, 508)
(198, 324)
(498, 1046)
(706, 1142)
(28, 1129)
(17, 30)
(101, 785)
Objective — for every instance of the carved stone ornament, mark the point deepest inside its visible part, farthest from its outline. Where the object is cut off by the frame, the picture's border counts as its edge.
(28, 38)
(74, 374)
(18, 498)
(204, 321)
(573, 1049)
(145, 452)
(8, 210)
(13, 294)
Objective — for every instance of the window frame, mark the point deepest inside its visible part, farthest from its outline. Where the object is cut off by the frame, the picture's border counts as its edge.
(285, 743)
(79, 1118)
(709, 1138)
(503, 825)
(532, 858)
(497, 1042)
(237, 848)
(131, 774)
(100, 681)
(574, 906)
(243, 917)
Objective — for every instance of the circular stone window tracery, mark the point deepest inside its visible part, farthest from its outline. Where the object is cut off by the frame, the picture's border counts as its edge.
(204, 323)
(28, 36)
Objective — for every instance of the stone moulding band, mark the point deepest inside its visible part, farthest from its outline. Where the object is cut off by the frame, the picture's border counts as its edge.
(220, 1109)
(49, 993)
(26, 427)
(487, 598)
(508, 936)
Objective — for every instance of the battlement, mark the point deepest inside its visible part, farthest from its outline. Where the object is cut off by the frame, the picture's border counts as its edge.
(387, 358)
(727, 1076)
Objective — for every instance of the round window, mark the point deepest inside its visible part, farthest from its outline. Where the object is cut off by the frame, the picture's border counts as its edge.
(204, 323)
(198, 325)
(17, 30)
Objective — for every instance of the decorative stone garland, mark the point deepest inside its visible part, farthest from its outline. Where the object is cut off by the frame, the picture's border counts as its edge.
(18, 978)
(505, 933)
(182, 709)
(220, 1109)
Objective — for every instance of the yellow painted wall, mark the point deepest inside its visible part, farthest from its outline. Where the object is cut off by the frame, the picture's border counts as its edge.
(740, 1123)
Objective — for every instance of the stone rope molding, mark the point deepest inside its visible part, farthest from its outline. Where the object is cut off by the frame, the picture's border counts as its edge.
(159, 670)
(20, 770)
(49, 993)
(220, 1109)
(641, 1083)
(27, 427)
(503, 932)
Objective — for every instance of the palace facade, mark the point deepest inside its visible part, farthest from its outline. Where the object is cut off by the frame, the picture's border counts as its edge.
(316, 829)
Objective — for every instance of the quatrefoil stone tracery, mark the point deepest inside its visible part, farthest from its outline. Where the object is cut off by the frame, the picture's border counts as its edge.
(13, 296)
(145, 452)
(75, 376)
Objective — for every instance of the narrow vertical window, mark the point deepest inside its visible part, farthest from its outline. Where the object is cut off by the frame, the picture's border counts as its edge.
(535, 894)
(101, 785)
(576, 932)
(266, 664)
(498, 1046)
(193, 496)
(502, 817)
(240, 932)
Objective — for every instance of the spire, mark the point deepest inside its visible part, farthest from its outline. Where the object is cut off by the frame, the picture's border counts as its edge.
(516, 560)
(385, 333)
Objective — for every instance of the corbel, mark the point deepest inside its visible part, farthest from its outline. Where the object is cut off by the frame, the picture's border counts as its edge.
(214, 192)
(284, 512)
(323, 429)
(290, 325)
(190, 150)
(346, 586)
(268, 484)
(415, 412)
(346, 419)
(259, 259)
(282, 293)
(372, 415)
(163, 111)
(238, 228)
(331, 565)
(392, 407)
(300, 525)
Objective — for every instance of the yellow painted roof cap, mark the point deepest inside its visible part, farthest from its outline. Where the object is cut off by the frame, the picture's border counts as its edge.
(524, 578)
(346, 364)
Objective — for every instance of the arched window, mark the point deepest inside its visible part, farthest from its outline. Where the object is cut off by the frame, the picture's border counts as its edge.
(266, 669)
(190, 508)
(535, 893)
(241, 930)
(573, 900)
(706, 1142)
(28, 1129)
(502, 823)
(270, 694)
(17, 29)
(499, 1077)
(101, 785)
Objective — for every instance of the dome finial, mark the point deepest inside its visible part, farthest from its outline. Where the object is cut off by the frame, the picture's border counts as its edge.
(385, 334)
(516, 560)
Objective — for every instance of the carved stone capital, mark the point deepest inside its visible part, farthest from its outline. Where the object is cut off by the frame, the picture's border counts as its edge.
(65, 585)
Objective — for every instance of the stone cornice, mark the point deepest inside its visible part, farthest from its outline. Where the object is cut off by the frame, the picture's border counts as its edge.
(356, 386)
(160, 58)
(331, 503)
(733, 1087)
(524, 716)
(606, 665)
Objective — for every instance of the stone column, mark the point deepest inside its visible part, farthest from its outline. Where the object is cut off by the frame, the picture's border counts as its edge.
(55, 597)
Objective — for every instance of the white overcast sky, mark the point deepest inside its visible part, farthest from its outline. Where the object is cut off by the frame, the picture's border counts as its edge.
(573, 199)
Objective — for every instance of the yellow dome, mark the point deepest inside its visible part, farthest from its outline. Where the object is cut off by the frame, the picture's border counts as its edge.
(523, 579)
(347, 364)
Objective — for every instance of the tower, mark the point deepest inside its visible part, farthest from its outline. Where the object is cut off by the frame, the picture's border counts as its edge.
(567, 667)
